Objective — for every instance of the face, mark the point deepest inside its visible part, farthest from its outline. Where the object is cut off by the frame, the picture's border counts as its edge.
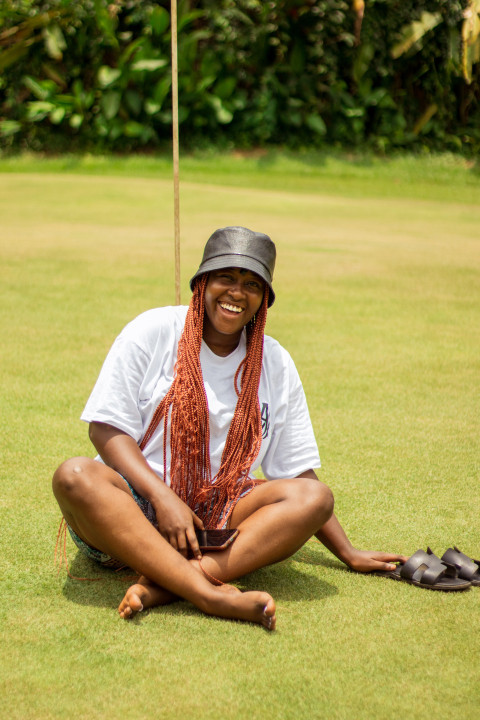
(232, 297)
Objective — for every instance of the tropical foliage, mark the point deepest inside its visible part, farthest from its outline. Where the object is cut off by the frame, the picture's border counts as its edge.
(97, 75)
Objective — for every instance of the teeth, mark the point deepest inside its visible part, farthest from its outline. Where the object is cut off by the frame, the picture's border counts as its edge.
(232, 308)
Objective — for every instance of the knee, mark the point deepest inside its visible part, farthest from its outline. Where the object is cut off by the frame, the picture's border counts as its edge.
(318, 498)
(71, 478)
(327, 500)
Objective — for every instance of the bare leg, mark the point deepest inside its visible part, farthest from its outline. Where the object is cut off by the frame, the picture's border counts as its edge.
(99, 507)
(274, 520)
(146, 594)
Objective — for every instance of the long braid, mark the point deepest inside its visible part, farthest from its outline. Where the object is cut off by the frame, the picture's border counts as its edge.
(186, 404)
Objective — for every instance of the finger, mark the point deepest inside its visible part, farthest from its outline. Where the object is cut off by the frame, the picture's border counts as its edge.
(388, 566)
(382, 562)
(192, 539)
(396, 558)
(389, 557)
(197, 522)
(172, 539)
(376, 564)
(182, 544)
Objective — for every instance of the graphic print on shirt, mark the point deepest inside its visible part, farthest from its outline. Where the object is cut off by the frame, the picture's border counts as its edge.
(265, 414)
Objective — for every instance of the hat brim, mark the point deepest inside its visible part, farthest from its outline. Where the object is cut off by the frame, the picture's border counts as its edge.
(236, 261)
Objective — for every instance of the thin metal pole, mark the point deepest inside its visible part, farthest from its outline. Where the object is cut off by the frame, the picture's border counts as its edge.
(176, 185)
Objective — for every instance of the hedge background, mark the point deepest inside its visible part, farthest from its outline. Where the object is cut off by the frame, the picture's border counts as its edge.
(95, 76)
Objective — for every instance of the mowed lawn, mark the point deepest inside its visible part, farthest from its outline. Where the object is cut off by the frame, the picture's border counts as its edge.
(378, 301)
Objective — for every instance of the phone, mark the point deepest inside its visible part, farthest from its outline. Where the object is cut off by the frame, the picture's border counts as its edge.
(209, 540)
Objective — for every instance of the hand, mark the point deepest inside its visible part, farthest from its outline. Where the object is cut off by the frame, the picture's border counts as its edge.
(176, 523)
(368, 561)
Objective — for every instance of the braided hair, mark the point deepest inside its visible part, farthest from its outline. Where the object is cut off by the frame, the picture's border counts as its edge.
(212, 499)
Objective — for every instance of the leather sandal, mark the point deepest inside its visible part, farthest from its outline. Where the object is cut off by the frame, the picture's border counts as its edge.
(466, 567)
(426, 570)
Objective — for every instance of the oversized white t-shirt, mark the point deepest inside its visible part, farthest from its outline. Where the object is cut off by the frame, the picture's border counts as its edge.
(138, 371)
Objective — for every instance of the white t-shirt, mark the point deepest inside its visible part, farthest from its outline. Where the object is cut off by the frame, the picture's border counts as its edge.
(138, 371)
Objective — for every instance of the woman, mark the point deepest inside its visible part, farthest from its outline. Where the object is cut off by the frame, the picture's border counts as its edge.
(188, 404)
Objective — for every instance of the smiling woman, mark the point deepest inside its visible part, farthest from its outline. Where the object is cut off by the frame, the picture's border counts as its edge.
(189, 403)
(232, 298)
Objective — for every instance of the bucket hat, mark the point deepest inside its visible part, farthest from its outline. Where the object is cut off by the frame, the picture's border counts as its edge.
(240, 248)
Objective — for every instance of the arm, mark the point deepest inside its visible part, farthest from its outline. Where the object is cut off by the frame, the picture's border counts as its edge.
(334, 538)
(175, 519)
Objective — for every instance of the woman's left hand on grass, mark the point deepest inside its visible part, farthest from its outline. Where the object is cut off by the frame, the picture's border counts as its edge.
(369, 561)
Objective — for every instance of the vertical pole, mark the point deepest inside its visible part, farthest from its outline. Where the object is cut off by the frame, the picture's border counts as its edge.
(176, 189)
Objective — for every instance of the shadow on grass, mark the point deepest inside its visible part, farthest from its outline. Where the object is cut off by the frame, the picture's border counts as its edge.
(312, 553)
(93, 585)
(284, 581)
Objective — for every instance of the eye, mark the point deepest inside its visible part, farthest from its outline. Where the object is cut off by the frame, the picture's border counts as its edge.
(223, 275)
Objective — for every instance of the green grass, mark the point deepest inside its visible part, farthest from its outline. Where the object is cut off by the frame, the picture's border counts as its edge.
(378, 297)
(446, 176)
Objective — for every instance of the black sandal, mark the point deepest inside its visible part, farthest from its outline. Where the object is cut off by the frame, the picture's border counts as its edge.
(466, 567)
(426, 570)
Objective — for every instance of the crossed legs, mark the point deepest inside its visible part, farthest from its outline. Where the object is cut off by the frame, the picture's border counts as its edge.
(274, 520)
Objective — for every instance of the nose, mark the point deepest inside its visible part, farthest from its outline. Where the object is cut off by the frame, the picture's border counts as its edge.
(236, 290)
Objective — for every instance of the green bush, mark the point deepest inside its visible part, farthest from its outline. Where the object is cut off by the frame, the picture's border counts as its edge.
(96, 75)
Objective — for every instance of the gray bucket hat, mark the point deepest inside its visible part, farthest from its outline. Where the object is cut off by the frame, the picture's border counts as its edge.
(241, 248)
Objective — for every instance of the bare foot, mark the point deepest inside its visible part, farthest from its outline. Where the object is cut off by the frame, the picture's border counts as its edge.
(225, 601)
(226, 588)
(256, 607)
(144, 594)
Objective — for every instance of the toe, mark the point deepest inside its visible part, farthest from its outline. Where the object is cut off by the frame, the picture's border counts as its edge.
(269, 617)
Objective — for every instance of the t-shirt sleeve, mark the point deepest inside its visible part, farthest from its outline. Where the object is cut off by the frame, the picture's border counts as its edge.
(115, 398)
(293, 448)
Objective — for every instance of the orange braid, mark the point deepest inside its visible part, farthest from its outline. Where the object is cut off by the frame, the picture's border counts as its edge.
(186, 403)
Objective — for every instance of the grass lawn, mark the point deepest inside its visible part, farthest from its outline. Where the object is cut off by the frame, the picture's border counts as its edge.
(378, 301)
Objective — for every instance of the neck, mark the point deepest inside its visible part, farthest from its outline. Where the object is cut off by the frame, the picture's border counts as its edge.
(221, 345)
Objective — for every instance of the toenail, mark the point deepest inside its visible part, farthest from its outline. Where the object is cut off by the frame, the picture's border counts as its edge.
(77, 469)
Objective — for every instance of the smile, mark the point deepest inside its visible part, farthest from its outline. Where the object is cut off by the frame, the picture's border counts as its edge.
(232, 308)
